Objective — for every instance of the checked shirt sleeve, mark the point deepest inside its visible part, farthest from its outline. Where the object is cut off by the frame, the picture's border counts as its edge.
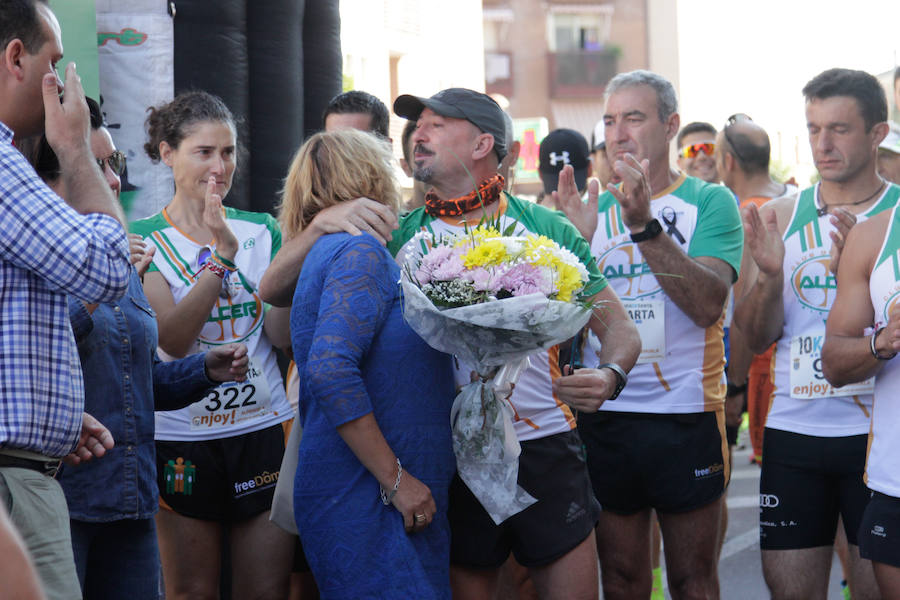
(82, 255)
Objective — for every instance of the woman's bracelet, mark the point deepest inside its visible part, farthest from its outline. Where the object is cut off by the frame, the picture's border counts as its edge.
(387, 498)
(214, 267)
(227, 264)
(875, 352)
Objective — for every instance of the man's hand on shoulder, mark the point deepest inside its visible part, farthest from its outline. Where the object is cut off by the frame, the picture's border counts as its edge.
(358, 216)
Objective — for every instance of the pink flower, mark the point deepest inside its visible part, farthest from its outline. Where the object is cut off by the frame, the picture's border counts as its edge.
(434, 264)
(523, 279)
(485, 280)
(449, 269)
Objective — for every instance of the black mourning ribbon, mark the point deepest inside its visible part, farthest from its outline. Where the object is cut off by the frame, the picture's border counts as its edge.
(670, 218)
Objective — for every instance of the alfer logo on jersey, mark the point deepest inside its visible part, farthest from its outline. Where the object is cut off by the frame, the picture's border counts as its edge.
(631, 278)
(813, 283)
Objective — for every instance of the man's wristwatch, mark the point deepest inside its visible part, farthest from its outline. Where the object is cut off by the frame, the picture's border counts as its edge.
(651, 230)
(621, 378)
(875, 351)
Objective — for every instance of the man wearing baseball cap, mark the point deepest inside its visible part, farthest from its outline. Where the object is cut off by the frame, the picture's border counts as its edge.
(889, 155)
(458, 144)
(559, 148)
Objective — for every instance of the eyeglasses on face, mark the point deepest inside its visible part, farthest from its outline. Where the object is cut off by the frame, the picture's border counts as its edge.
(692, 150)
(116, 162)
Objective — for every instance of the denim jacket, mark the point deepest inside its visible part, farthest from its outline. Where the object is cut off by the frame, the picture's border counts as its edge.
(122, 376)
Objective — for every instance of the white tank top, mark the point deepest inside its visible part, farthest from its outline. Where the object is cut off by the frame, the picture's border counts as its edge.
(883, 460)
(803, 401)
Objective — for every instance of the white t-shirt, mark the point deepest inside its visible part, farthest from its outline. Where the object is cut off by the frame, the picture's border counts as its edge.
(681, 366)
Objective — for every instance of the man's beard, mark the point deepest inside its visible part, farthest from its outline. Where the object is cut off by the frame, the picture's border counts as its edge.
(423, 174)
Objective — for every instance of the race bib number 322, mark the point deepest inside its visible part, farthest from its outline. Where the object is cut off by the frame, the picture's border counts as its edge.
(233, 403)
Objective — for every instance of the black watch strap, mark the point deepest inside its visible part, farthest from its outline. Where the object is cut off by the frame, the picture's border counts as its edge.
(651, 230)
(621, 378)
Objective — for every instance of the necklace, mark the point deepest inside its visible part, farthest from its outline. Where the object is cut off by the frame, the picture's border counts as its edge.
(822, 209)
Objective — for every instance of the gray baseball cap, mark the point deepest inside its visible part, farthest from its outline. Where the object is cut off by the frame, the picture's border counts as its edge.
(460, 103)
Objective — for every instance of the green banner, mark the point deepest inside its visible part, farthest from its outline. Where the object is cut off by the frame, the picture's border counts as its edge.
(78, 20)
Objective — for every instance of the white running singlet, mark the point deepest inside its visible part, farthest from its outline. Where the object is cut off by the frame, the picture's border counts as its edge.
(803, 401)
(883, 458)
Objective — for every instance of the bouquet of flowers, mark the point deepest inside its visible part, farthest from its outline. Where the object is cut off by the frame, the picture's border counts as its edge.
(491, 299)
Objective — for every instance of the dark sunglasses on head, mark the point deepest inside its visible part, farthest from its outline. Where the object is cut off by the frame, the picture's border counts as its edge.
(693, 150)
(116, 162)
(735, 118)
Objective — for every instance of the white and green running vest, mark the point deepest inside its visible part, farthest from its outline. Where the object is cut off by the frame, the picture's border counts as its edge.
(883, 459)
(231, 408)
(803, 401)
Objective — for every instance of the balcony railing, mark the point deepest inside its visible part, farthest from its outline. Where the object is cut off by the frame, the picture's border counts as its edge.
(582, 73)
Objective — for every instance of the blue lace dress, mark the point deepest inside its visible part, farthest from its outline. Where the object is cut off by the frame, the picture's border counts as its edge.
(356, 355)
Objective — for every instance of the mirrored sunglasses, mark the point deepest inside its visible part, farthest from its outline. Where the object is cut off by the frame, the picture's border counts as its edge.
(116, 162)
(694, 149)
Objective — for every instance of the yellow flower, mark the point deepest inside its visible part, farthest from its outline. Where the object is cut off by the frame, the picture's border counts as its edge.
(477, 236)
(486, 253)
(569, 281)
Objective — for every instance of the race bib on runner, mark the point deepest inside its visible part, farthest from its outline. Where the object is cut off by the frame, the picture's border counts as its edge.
(807, 380)
(650, 318)
(233, 402)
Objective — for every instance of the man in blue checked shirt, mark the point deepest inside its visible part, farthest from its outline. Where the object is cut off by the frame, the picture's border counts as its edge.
(48, 250)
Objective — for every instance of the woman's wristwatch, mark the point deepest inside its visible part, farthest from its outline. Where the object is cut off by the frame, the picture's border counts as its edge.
(621, 378)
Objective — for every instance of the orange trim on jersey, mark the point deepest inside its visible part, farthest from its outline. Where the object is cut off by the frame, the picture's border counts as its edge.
(613, 220)
(555, 372)
(757, 200)
(516, 416)
(662, 380)
(810, 235)
(713, 366)
(726, 456)
(458, 221)
(165, 215)
(173, 255)
(772, 379)
(861, 406)
(671, 187)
